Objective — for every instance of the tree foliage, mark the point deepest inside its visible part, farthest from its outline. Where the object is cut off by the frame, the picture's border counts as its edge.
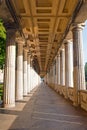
(86, 72)
(2, 44)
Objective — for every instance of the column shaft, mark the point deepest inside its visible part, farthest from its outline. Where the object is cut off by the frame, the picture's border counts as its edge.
(56, 76)
(62, 67)
(19, 82)
(68, 66)
(53, 67)
(58, 69)
(28, 74)
(31, 75)
(25, 72)
(79, 75)
(9, 78)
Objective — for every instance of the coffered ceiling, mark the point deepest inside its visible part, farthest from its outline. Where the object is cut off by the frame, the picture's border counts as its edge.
(44, 22)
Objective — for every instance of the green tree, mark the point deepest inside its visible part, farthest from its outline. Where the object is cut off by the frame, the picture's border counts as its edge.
(86, 72)
(2, 44)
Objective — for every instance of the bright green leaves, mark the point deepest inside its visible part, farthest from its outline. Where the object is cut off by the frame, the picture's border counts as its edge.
(2, 31)
(86, 72)
(2, 44)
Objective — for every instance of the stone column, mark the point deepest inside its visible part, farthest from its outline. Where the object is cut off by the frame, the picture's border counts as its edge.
(62, 67)
(79, 75)
(19, 82)
(31, 80)
(58, 69)
(50, 76)
(25, 71)
(28, 76)
(68, 66)
(9, 78)
(53, 74)
(56, 75)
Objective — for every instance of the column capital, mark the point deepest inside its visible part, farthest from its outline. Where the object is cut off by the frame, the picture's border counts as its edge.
(62, 49)
(20, 40)
(11, 33)
(25, 48)
(10, 40)
(31, 58)
(58, 54)
(66, 41)
(78, 26)
(55, 58)
(29, 55)
(31, 62)
(28, 58)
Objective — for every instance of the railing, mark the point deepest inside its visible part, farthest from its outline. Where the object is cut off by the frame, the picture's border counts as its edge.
(64, 91)
(82, 94)
(59, 88)
(51, 85)
(70, 93)
(83, 99)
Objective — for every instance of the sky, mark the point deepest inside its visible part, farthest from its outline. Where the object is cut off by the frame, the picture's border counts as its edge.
(85, 42)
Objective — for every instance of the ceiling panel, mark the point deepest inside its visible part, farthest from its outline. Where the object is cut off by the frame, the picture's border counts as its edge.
(45, 22)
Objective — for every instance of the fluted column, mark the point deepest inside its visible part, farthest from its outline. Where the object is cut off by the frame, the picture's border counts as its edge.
(28, 74)
(58, 69)
(50, 76)
(68, 66)
(56, 63)
(9, 78)
(79, 75)
(19, 81)
(56, 73)
(31, 74)
(25, 72)
(62, 67)
(53, 73)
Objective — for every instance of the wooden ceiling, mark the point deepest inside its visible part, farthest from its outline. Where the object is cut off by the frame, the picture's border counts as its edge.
(44, 21)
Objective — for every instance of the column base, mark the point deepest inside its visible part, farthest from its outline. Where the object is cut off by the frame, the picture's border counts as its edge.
(66, 97)
(19, 98)
(25, 94)
(75, 104)
(9, 105)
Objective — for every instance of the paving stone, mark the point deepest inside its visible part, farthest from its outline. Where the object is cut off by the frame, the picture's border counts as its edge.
(43, 109)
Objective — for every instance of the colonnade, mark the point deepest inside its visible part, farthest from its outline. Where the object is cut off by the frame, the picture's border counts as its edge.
(66, 74)
(20, 77)
(70, 69)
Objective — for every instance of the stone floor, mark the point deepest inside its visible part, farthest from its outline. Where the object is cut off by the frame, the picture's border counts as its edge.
(43, 109)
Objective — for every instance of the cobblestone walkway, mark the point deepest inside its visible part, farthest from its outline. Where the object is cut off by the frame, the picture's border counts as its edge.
(43, 109)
